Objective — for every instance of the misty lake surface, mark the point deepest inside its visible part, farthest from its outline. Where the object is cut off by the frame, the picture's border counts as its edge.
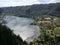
(21, 26)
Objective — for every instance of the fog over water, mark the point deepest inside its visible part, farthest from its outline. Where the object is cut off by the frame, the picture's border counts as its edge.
(21, 27)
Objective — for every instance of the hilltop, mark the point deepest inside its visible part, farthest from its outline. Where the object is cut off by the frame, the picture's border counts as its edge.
(52, 9)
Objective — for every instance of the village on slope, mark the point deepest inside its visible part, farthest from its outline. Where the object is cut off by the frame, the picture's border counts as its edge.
(50, 30)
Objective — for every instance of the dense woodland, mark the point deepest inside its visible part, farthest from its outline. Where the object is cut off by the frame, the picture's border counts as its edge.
(33, 10)
(7, 37)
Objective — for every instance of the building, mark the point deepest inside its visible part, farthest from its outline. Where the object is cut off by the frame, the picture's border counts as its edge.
(45, 20)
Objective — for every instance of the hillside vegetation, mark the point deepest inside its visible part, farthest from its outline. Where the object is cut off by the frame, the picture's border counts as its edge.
(33, 10)
(7, 37)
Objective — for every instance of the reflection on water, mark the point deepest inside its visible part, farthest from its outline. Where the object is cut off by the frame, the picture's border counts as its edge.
(20, 26)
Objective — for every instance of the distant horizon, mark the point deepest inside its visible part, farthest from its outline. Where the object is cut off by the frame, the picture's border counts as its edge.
(13, 3)
(28, 5)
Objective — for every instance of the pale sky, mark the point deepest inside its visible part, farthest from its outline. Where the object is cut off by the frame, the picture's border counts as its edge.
(6, 3)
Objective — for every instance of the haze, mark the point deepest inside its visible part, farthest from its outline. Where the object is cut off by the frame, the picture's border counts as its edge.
(7, 3)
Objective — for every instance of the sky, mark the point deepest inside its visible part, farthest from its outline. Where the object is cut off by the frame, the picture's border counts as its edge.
(6, 3)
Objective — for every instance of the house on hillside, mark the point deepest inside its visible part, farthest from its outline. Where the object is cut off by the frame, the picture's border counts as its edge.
(44, 20)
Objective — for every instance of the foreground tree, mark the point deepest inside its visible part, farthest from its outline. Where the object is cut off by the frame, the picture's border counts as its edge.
(8, 38)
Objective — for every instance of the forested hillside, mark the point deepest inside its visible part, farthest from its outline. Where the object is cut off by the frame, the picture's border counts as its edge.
(33, 10)
(8, 38)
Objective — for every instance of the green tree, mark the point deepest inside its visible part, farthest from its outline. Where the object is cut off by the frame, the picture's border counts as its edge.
(7, 37)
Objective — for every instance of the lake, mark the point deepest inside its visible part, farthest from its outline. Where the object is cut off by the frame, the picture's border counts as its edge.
(21, 26)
